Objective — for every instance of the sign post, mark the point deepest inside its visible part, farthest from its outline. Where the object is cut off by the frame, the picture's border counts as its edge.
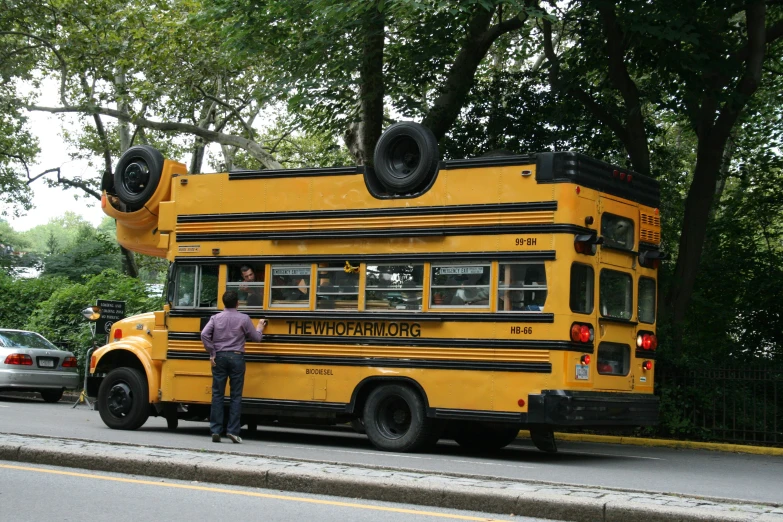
(111, 312)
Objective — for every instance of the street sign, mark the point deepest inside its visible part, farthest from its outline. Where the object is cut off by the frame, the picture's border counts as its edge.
(111, 312)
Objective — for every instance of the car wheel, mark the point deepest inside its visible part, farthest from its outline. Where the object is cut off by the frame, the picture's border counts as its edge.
(395, 419)
(123, 399)
(406, 157)
(52, 395)
(479, 437)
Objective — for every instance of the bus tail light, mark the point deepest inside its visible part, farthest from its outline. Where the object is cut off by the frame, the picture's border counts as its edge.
(117, 334)
(582, 333)
(70, 362)
(651, 258)
(647, 365)
(20, 359)
(587, 243)
(585, 359)
(646, 341)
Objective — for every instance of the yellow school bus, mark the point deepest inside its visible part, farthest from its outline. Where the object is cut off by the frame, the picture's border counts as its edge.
(421, 299)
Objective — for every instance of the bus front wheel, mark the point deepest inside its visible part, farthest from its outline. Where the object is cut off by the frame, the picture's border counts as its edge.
(395, 419)
(123, 399)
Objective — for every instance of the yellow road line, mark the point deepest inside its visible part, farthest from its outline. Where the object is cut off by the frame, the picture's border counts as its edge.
(249, 494)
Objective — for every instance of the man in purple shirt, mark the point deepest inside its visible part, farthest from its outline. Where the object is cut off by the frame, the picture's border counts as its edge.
(224, 338)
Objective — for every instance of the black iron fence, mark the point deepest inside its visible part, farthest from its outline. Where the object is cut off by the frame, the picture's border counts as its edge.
(737, 405)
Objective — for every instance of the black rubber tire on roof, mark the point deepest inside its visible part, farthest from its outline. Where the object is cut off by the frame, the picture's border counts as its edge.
(481, 437)
(52, 395)
(395, 419)
(137, 175)
(406, 157)
(123, 399)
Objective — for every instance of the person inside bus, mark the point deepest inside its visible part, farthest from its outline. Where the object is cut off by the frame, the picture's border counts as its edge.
(471, 296)
(253, 294)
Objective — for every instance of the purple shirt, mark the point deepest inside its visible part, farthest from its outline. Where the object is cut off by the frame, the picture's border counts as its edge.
(227, 332)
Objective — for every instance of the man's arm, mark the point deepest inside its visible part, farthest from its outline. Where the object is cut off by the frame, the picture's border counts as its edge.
(252, 333)
(206, 337)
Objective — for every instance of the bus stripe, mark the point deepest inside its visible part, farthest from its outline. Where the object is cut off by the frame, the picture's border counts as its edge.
(379, 362)
(429, 342)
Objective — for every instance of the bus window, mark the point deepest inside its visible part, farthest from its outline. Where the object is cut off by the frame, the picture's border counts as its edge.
(338, 286)
(196, 286)
(291, 286)
(617, 231)
(394, 287)
(248, 282)
(646, 300)
(616, 294)
(582, 288)
(460, 285)
(521, 286)
(185, 287)
(614, 359)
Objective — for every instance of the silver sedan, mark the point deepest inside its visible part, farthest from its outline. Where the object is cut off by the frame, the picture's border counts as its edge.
(28, 362)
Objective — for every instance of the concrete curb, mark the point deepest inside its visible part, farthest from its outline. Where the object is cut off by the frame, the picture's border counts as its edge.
(440, 490)
(666, 443)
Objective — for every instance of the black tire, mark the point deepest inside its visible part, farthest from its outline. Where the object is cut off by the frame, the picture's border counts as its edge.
(395, 419)
(52, 395)
(358, 425)
(544, 439)
(406, 157)
(123, 399)
(170, 414)
(480, 437)
(137, 175)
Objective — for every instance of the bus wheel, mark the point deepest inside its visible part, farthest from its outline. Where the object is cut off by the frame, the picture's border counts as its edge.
(478, 437)
(406, 157)
(137, 175)
(123, 399)
(544, 439)
(395, 419)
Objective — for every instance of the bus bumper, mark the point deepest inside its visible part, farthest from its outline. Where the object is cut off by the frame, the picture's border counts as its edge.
(578, 408)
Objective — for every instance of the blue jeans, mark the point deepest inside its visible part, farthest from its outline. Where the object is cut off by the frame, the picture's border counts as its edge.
(228, 366)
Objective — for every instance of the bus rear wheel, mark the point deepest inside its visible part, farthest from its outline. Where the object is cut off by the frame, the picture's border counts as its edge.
(395, 419)
(123, 399)
(480, 437)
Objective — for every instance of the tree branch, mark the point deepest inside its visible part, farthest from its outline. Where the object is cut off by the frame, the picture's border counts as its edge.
(253, 148)
(63, 63)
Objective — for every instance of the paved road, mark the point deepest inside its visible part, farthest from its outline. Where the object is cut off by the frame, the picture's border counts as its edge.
(653, 470)
(73, 494)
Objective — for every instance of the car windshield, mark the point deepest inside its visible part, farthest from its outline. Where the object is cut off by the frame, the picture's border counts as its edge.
(25, 340)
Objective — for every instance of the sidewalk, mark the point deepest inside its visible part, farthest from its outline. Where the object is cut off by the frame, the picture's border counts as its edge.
(482, 494)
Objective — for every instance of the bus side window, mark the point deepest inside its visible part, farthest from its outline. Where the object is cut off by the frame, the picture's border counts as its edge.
(248, 282)
(208, 287)
(460, 285)
(290, 286)
(185, 286)
(394, 287)
(521, 287)
(338, 286)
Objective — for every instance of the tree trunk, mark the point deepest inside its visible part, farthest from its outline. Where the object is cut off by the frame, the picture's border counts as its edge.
(129, 262)
(460, 79)
(371, 88)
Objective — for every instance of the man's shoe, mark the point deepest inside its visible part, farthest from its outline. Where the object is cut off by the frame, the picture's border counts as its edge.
(216, 437)
(236, 439)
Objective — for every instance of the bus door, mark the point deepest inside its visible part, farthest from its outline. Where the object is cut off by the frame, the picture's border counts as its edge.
(616, 332)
